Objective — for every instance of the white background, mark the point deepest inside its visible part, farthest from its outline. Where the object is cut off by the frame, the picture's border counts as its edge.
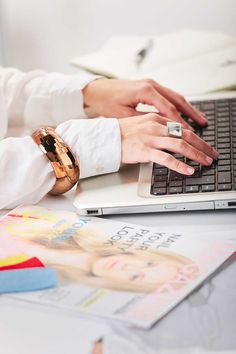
(48, 33)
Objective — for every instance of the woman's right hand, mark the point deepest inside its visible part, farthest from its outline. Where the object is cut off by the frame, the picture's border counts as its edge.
(144, 138)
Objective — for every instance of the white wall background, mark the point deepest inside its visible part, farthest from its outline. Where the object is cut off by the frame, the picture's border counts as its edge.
(47, 33)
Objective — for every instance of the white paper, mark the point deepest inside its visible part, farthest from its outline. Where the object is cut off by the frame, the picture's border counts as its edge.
(192, 62)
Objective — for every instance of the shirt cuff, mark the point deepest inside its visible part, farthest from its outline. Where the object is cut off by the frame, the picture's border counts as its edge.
(68, 100)
(53, 98)
(96, 144)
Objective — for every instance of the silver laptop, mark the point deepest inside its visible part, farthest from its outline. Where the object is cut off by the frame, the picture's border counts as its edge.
(154, 188)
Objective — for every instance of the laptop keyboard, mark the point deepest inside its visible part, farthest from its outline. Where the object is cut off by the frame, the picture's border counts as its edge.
(221, 175)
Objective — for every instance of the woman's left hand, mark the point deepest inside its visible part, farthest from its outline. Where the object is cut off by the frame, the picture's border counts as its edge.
(119, 98)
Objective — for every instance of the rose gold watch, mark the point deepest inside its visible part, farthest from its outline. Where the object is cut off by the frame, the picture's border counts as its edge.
(64, 163)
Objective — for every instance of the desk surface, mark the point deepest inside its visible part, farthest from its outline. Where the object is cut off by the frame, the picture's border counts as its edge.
(205, 322)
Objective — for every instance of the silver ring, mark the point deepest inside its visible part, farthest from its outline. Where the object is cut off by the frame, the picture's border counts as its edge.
(174, 129)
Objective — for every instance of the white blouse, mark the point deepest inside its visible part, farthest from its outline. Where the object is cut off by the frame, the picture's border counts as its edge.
(34, 99)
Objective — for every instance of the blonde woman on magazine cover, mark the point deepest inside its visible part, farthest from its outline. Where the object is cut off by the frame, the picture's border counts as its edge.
(85, 256)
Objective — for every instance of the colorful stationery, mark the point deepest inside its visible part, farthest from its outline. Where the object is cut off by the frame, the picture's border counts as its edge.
(21, 280)
(33, 262)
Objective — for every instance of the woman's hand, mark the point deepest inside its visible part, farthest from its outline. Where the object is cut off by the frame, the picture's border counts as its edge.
(97, 349)
(144, 138)
(119, 98)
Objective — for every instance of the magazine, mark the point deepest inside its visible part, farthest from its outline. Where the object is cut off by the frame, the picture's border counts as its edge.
(116, 270)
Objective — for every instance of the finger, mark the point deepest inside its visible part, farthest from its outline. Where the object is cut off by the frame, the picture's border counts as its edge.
(155, 117)
(180, 146)
(155, 127)
(181, 104)
(200, 144)
(191, 138)
(130, 112)
(165, 159)
(149, 95)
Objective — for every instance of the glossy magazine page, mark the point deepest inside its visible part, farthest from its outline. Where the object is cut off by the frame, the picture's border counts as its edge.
(112, 269)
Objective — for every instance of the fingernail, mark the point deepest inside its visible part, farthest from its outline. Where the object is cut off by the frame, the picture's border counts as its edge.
(190, 170)
(204, 120)
(209, 160)
(216, 153)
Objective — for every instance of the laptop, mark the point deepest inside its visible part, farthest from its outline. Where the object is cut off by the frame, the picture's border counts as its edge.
(151, 187)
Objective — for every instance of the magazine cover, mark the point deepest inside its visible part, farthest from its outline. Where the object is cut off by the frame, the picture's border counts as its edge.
(112, 269)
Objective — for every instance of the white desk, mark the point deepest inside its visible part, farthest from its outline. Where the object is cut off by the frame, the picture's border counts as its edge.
(205, 321)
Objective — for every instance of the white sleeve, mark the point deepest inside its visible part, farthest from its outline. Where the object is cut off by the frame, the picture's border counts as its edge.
(39, 98)
(25, 173)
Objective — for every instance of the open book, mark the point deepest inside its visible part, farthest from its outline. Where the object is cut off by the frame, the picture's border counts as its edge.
(191, 62)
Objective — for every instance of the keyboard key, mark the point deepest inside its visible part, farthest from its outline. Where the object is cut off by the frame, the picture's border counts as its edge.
(223, 113)
(222, 119)
(156, 165)
(224, 156)
(223, 103)
(174, 176)
(221, 140)
(223, 109)
(161, 171)
(159, 184)
(175, 190)
(210, 127)
(223, 162)
(224, 177)
(223, 129)
(209, 133)
(201, 180)
(208, 138)
(223, 150)
(224, 168)
(223, 145)
(160, 178)
(208, 106)
(159, 191)
(192, 189)
(223, 134)
(208, 172)
(222, 124)
(192, 163)
(176, 183)
(208, 188)
(224, 187)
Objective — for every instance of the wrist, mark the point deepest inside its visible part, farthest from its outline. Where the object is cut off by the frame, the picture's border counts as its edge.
(92, 92)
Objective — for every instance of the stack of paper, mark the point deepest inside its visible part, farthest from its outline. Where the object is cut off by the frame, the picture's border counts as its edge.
(191, 62)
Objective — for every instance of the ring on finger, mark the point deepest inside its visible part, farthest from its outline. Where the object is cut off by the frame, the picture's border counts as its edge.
(174, 129)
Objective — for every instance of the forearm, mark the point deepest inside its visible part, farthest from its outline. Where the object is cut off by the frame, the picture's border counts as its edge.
(39, 98)
(26, 174)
